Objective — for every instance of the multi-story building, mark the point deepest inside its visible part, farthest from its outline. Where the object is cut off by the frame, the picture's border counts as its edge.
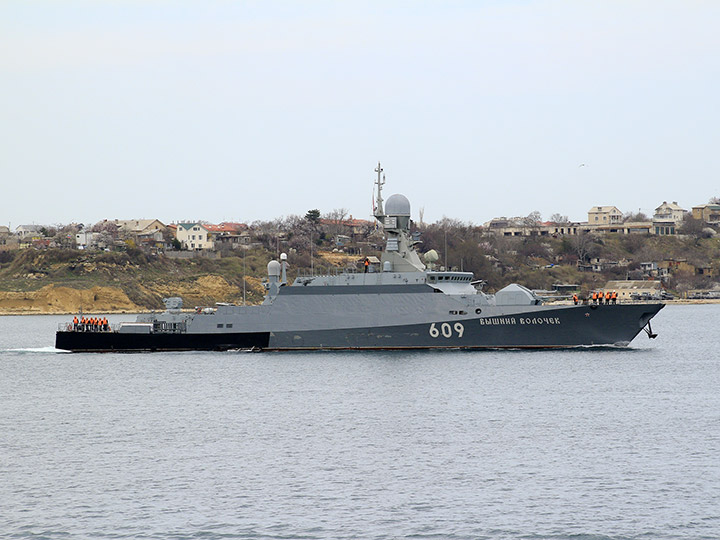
(604, 215)
(667, 218)
(194, 236)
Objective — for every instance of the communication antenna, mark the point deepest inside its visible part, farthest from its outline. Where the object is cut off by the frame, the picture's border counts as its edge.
(380, 183)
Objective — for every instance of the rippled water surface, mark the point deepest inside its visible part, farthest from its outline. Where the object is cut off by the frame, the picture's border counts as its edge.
(576, 444)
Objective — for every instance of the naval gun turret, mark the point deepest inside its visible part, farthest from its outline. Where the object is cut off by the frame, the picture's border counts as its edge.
(399, 254)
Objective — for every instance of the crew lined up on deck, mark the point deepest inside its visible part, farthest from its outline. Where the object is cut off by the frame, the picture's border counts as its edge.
(608, 297)
(90, 324)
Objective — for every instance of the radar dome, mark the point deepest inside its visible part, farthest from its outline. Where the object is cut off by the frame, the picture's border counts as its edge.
(397, 205)
(431, 256)
(273, 268)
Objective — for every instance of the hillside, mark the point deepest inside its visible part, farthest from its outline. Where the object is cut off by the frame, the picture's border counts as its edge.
(61, 281)
(67, 281)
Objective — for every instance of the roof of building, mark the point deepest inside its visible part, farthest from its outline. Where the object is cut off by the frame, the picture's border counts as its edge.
(350, 222)
(604, 209)
(188, 226)
(635, 284)
(226, 227)
(136, 225)
(669, 206)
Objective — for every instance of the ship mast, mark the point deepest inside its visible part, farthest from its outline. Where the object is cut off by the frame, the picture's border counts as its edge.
(379, 213)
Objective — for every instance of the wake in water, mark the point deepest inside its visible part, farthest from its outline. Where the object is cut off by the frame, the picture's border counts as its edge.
(35, 350)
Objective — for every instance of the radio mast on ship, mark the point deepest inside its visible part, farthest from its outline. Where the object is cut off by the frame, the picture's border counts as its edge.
(379, 213)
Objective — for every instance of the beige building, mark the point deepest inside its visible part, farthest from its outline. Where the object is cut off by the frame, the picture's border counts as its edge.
(502, 227)
(709, 213)
(604, 215)
(138, 226)
(28, 231)
(632, 289)
(667, 218)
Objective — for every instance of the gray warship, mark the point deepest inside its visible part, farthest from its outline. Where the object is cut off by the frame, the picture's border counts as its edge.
(397, 303)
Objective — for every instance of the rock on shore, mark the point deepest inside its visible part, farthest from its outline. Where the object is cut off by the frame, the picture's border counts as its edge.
(57, 299)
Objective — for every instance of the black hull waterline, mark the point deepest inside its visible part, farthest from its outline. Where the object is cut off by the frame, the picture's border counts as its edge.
(587, 325)
(114, 341)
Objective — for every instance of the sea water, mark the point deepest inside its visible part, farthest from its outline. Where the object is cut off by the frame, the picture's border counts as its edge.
(570, 444)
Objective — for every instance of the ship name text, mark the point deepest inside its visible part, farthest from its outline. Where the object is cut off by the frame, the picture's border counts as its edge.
(497, 321)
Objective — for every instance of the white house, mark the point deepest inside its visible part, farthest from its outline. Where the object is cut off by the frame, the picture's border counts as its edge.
(86, 239)
(194, 236)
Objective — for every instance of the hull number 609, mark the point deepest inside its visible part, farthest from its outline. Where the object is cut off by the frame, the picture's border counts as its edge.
(445, 330)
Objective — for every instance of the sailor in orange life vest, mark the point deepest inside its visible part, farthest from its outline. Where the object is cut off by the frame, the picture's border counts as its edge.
(575, 299)
(367, 265)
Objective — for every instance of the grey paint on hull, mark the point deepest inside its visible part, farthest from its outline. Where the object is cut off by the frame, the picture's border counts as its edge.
(578, 326)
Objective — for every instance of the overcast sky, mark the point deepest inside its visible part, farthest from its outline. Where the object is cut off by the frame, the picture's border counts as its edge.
(247, 110)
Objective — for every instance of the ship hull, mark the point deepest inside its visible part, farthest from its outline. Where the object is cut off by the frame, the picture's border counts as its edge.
(564, 327)
(115, 341)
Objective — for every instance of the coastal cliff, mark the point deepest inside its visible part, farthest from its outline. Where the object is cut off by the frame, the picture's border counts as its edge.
(58, 299)
(46, 282)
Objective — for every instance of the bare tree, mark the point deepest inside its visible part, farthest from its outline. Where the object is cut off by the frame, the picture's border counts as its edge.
(334, 221)
(559, 219)
(691, 226)
(582, 245)
(634, 217)
(533, 219)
